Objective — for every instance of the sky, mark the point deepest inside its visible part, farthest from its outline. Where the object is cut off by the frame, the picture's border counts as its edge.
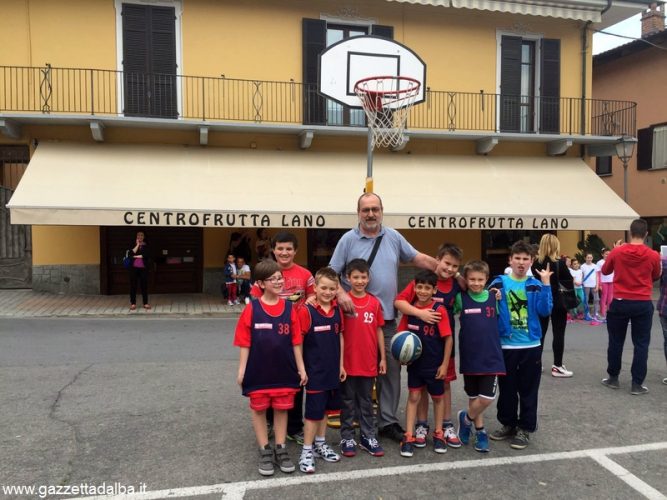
(630, 27)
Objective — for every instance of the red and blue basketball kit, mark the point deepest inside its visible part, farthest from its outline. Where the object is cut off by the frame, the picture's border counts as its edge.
(445, 294)
(421, 372)
(270, 332)
(321, 357)
(361, 337)
(479, 342)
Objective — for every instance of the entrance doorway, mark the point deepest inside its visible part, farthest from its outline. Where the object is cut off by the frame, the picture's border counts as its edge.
(176, 259)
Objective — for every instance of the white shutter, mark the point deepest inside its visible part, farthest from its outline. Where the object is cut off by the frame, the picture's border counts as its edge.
(660, 147)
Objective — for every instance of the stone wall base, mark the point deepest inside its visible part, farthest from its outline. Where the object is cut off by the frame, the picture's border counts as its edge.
(67, 279)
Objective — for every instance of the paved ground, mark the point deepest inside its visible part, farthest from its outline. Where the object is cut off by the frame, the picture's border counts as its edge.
(131, 399)
(29, 304)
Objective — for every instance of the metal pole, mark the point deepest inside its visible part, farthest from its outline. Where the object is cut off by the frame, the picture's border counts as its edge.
(625, 181)
(369, 162)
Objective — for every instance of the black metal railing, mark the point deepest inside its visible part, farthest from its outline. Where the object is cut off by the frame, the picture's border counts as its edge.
(116, 93)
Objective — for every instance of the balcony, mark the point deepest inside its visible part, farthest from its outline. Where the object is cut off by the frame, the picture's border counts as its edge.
(49, 95)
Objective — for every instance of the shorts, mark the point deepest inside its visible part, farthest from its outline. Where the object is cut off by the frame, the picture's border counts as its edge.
(451, 370)
(417, 380)
(278, 399)
(480, 386)
(319, 402)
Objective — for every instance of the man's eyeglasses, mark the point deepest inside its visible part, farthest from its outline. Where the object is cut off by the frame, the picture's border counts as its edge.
(368, 210)
(275, 279)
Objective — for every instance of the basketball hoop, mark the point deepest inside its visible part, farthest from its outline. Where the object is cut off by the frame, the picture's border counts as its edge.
(387, 101)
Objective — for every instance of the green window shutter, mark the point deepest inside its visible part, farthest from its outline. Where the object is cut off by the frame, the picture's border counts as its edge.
(550, 86)
(314, 40)
(510, 83)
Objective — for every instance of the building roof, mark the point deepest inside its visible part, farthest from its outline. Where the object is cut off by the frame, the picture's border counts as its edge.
(631, 48)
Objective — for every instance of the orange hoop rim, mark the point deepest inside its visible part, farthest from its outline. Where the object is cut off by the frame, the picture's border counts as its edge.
(414, 88)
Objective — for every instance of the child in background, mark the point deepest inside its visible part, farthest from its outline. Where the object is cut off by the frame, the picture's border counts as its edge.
(578, 279)
(322, 328)
(230, 280)
(364, 345)
(450, 283)
(271, 368)
(430, 369)
(590, 284)
(606, 282)
(243, 280)
(523, 301)
(481, 357)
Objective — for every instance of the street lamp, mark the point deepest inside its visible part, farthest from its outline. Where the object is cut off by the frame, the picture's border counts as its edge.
(625, 148)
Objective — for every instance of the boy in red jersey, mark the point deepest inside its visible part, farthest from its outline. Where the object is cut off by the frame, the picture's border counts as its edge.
(364, 341)
(271, 368)
(430, 369)
(322, 326)
(297, 288)
(450, 284)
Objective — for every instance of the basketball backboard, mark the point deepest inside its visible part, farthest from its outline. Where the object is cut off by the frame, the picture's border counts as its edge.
(344, 63)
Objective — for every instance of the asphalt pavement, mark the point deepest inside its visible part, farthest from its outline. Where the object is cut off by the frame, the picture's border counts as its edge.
(104, 401)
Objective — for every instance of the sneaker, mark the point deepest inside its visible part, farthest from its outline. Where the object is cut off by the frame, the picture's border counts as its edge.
(664, 381)
(392, 431)
(451, 438)
(520, 440)
(506, 431)
(482, 441)
(421, 431)
(247, 300)
(611, 382)
(348, 447)
(266, 461)
(307, 462)
(283, 460)
(596, 323)
(638, 389)
(588, 318)
(464, 428)
(230, 303)
(324, 452)
(236, 302)
(439, 443)
(372, 446)
(407, 446)
(560, 372)
(296, 437)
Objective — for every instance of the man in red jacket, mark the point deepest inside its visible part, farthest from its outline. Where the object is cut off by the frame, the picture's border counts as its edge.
(635, 267)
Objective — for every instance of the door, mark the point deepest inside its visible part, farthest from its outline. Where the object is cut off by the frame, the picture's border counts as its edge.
(176, 259)
(149, 61)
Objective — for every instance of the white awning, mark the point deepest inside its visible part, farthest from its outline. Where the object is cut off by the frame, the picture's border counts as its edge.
(586, 10)
(159, 185)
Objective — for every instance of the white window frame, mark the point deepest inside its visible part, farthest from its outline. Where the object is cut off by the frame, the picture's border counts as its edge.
(178, 8)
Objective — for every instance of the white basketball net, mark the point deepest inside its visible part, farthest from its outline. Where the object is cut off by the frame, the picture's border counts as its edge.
(387, 101)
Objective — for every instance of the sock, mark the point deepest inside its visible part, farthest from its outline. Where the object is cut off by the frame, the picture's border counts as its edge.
(422, 422)
(307, 447)
(319, 440)
(468, 420)
(479, 429)
(280, 445)
(447, 423)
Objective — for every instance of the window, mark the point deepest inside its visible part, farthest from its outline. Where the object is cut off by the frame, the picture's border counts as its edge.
(317, 35)
(529, 85)
(13, 162)
(603, 165)
(652, 147)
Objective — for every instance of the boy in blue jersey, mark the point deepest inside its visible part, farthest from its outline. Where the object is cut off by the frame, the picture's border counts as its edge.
(480, 355)
(430, 369)
(271, 368)
(321, 327)
(523, 300)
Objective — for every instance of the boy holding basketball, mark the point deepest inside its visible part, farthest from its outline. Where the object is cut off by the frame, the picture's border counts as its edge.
(364, 345)
(481, 357)
(523, 300)
(321, 326)
(450, 283)
(430, 369)
(271, 368)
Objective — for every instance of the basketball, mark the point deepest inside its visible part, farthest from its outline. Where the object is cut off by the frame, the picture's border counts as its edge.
(405, 347)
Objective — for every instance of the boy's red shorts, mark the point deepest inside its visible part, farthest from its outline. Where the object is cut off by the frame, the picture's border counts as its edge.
(451, 371)
(278, 399)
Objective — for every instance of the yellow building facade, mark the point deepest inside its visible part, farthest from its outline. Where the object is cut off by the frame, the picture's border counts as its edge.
(98, 90)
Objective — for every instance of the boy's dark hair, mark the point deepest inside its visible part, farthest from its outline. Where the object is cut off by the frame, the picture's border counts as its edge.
(476, 266)
(231, 253)
(284, 237)
(360, 265)
(265, 269)
(426, 277)
(638, 228)
(450, 249)
(326, 272)
(521, 247)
